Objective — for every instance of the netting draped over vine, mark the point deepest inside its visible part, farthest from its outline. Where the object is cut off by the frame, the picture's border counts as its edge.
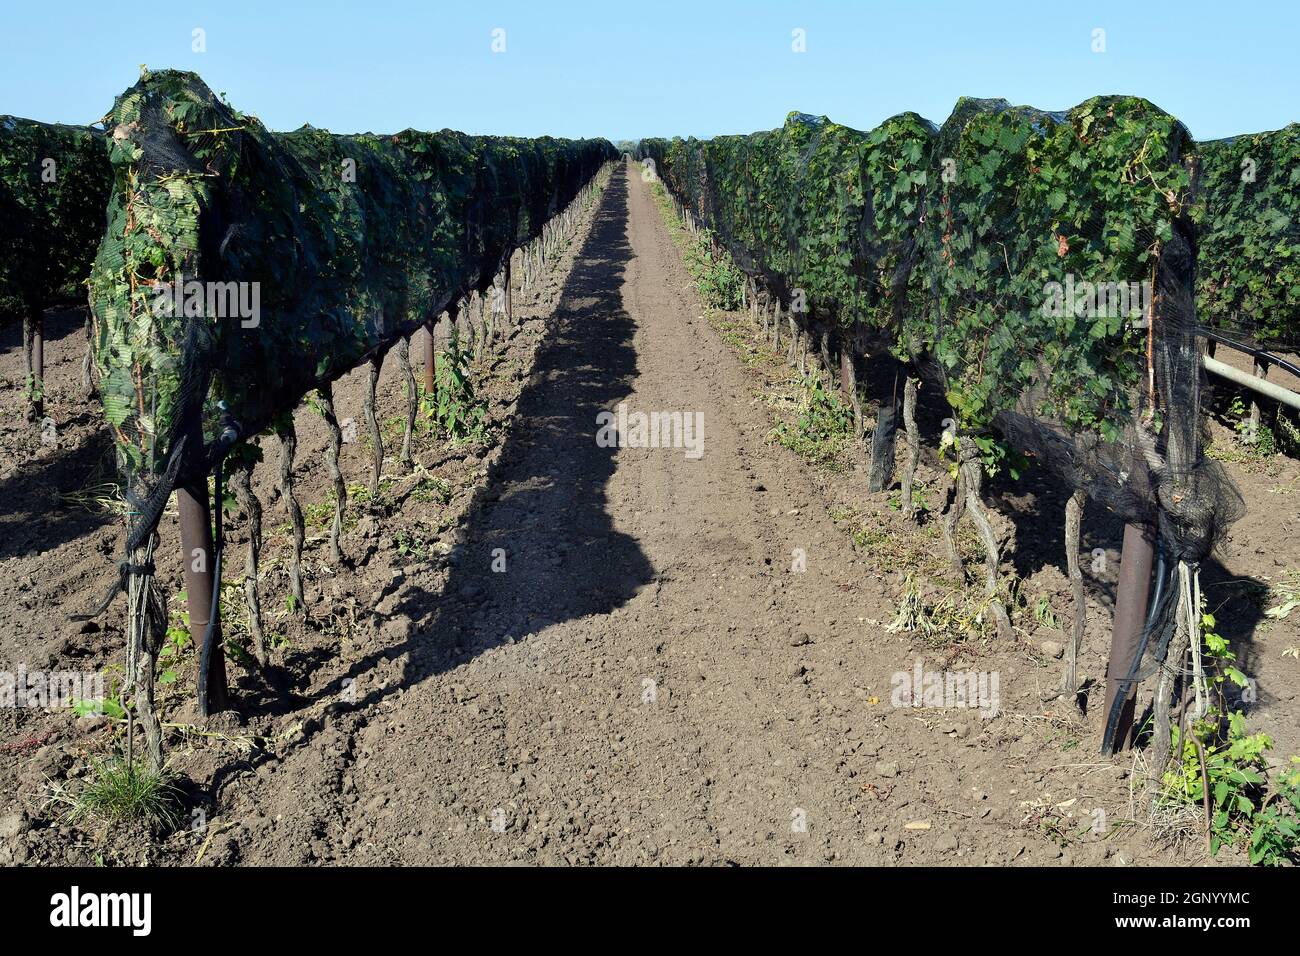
(54, 185)
(1037, 266)
(1248, 277)
(246, 268)
(814, 206)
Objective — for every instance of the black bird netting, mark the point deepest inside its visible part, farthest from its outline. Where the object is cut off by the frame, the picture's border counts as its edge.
(1038, 266)
(240, 269)
(813, 206)
(54, 185)
(1248, 269)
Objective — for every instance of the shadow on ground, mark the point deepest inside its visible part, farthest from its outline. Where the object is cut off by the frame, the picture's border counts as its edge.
(542, 516)
(33, 516)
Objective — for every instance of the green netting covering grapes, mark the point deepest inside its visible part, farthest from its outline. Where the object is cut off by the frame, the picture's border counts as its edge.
(1248, 276)
(54, 184)
(1017, 257)
(815, 206)
(246, 268)
(1040, 205)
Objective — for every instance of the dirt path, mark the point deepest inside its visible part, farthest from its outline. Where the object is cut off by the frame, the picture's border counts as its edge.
(645, 711)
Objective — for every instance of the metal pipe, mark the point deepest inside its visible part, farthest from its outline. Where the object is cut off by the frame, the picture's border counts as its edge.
(200, 584)
(1268, 357)
(1131, 594)
(1264, 387)
(430, 382)
(38, 362)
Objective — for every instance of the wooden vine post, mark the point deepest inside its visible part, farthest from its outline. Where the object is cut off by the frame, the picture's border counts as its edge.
(824, 354)
(967, 499)
(241, 483)
(913, 446)
(34, 354)
(372, 422)
(412, 399)
(483, 339)
(1260, 370)
(288, 449)
(332, 452)
(508, 291)
(849, 386)
(1073, 528)
(88, 360)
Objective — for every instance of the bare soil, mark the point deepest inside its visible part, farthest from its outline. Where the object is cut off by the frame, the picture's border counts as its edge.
(651, 678)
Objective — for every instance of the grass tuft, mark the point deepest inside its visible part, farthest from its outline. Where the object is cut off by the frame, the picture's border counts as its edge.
(120, 793)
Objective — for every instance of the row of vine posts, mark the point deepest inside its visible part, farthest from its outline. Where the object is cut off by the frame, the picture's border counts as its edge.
(495, 313)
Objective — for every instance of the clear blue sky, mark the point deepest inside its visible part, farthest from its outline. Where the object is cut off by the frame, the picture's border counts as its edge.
(626, 69)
